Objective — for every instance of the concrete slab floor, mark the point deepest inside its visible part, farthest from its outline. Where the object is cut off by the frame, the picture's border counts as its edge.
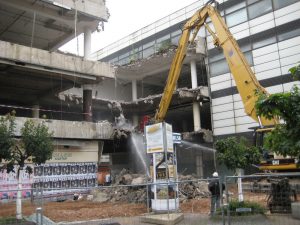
(163, 219)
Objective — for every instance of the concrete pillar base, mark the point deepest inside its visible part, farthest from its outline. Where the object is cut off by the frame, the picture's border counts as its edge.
(164, 219)
(296, 210)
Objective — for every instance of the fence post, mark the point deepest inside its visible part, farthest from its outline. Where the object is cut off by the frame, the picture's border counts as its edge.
(147, 194)
(221, 199)
(39, 216)
(227, 201)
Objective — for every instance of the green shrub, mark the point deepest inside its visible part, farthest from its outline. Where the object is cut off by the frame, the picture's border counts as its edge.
(234, 205)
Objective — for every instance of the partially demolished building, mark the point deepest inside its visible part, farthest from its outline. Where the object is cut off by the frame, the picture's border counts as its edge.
(113, 91)
(268, 33)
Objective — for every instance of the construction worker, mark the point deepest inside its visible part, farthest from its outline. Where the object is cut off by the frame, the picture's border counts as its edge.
(214, 188)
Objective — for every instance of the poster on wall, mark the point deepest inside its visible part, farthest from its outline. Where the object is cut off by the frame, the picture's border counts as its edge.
(9, 184)
(65, 175)
(52, 177)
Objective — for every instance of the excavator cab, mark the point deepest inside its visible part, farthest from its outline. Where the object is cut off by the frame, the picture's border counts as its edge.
(272, 162)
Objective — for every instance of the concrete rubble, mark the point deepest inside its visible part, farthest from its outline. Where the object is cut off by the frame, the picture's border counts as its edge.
(136, 190)
(192, 189)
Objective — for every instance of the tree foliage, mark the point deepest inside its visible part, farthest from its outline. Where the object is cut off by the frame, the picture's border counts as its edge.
(234, 153)
(6, 137)
(284, 139)
(34, 145)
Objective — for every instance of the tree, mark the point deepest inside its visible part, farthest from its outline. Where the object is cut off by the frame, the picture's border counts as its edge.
(34, 145)
(6, 139)
(284, 139)
(237, 155)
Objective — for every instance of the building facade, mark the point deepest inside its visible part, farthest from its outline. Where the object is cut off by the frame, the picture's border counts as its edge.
(268, 33)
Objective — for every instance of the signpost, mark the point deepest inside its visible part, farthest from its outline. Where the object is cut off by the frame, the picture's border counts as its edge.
(163, 169)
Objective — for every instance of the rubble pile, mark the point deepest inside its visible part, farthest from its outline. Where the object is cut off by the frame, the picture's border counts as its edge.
(134, 193)
(128, 187)
(192, 189)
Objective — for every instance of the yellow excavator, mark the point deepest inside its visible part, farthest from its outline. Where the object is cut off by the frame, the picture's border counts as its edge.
(245, 80)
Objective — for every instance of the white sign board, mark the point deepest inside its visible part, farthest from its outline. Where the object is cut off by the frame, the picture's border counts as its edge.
(154, 138)
(169, 135)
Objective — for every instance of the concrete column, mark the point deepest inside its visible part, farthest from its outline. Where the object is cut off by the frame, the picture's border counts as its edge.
(100, 150)
(196, 117)
(194, 74)
(134, 90)
(87, 42)
(135, 118)
(196, 106)
(36, 111)
(87, 103)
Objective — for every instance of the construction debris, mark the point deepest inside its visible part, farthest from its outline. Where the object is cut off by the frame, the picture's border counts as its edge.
(129, 187)
(192, 189)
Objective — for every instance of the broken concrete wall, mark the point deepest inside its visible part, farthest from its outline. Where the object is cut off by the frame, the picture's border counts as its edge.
(54, 62)
(109, 89)
(94, 8)
(72, 129)
(74, 151)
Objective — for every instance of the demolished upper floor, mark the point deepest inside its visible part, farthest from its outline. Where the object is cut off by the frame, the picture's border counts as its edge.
(48, 24)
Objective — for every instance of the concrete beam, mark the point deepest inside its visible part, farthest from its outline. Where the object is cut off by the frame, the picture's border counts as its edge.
(54, 62)
(95, 8)
(72, 129)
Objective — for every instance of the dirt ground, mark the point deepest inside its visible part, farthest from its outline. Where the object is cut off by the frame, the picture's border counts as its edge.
(87, 210)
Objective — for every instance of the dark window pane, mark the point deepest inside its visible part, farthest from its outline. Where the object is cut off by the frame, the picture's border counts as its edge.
(282, 3)
(259, 8)
(289, 34)
(263, 42)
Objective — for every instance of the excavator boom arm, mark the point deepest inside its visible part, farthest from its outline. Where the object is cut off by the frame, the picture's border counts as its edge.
(245, 79)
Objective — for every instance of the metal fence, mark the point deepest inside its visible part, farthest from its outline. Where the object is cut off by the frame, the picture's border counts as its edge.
(266, 200)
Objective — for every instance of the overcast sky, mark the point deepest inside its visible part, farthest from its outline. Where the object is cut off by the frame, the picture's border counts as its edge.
(127, 17)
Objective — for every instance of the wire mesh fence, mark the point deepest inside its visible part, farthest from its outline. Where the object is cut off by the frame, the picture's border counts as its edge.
(266, 200)
(263, 199)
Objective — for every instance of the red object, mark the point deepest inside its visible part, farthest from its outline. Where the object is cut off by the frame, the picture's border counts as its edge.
(102, 171)
(144, 122)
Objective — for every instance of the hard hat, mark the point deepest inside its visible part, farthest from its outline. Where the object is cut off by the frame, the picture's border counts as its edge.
(215, 174)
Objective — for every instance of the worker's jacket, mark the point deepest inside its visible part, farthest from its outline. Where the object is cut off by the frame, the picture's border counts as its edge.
(214, 187)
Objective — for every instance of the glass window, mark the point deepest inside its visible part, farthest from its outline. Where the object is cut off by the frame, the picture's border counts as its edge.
(149, 44)
(114, 61)
(147, 52)
(282, 3)
(289, 34)
(161, 39)
(176, 33)
(124, 61)
(216, 57)
(235, 7)
(252, 1)
(263, 42)
(221, 66)
(249, 57)
(259, 8)
(175, 40)
(135, 56)
(245, 47)
(236, 18)
(218, 68)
